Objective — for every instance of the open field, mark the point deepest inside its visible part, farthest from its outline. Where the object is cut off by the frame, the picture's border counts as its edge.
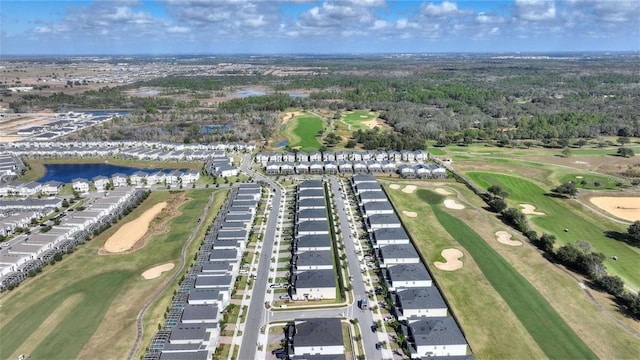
(302, 131)
(567, 214)
(544, 324)
(482, 313)
(111, 289)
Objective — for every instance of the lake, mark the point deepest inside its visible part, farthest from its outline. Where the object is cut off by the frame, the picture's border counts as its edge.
(66, 172)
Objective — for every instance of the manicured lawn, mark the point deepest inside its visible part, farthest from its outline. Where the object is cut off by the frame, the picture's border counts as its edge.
(302, 132)
(355, 118)
(109, 291)
(566, 214)
(544, 324)
(605, 182)
(436, 151)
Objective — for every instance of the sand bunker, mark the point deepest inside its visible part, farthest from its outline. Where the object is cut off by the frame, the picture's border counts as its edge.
(452, 204)
(409, 189)
(364, 116)
(529, 209)
(410, 214)
(505, 238)
(134, 230)
(626, 208)
(442, 191)
(579, 177)
(394, 186)
(452, 256)
(155, 272)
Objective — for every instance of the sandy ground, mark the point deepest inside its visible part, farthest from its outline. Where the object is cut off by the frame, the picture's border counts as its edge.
(409, 189)
(452, 204)
(373, 123)
(8, 139)
(452, 256)
(529, 209)
(131, 232)
(290, 115)
(155, 272)
(626, 208)
(505, 238)
(12, 125)
(394, 186)
(442, 191)
(411, 214)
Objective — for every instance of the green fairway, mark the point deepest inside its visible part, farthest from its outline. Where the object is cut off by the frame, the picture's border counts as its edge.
(72, 307)
(436, 151)
(302, 132)
(544, 324)
(591, 181)
(357, 117)
(565, 214)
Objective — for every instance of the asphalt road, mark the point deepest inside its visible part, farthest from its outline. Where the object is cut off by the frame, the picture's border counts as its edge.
(255, 313)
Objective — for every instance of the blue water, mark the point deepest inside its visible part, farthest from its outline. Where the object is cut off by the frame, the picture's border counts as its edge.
(249, 92)
(298, 95)
(66, 172)
(283, 143)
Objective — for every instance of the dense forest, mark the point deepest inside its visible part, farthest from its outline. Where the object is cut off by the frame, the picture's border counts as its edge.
(555, 101)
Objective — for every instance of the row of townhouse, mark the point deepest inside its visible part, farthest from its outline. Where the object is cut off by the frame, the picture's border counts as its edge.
(220, 166)
(191, 329)
(20, 220)
(312, 273)
(117, 146)
(40, 206)
(314, 338)
(377, 155)
(409, 170)
(10, 166)
(167, 155)
(138, 179)
(29, 252)
(427, 327)
(30, 188)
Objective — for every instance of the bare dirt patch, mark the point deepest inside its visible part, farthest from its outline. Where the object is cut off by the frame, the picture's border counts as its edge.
(529, 209)
(626, 208)
(156, 271)
(452, 257)
(452, 204)
(411, 214)
(409, 189)
(394, 186)
(442, 191)
(505, 238)
(290, 115)
(370, 124)
(124, 239)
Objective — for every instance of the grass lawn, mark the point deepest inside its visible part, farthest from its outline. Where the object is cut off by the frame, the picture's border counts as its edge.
(302, 131)
(436, 151)
(564, 213)
(106, 292)
(543, 323)
(587, 180)
(355, 118)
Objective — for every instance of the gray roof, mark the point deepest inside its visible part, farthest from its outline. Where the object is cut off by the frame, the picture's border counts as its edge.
(394, 251)
(313, 193)
(390, 234)
(185, 355)
(321, 240)
(314, 258)
(420, 298)
(436, 331)
(244, 203)
(216, 281)
(199, 312)
(318, 332)
(377, 205)
(220, 243)
(204, 294)
(247, 186)
(321, 357)
(310, 184)
(454, 357)
(232, 234)
(359, 178)
(312, 214)
(238, 218)
(313, 225)
(315, 279)
(223, 254)
(368, 186)
(372, 195)
(189, 332)
(219, 265)
(311, 203)
(383, 219)
(408, 272)
(232, 225)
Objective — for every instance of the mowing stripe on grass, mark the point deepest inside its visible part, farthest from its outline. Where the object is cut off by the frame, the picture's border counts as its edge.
(579, 224)
(553, 335)
(307, 128)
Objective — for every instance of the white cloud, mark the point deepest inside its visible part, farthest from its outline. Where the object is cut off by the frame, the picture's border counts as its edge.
(445, 8)
(484, 18)
(178, 29)
(535, 10)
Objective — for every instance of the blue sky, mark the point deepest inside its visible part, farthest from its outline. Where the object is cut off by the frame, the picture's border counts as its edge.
(316, 26)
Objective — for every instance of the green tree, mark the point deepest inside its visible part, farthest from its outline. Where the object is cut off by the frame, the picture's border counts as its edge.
(498, 191)
(566, 152)
(546, 242)
(634, 231)
(568, 188)
(625, 152)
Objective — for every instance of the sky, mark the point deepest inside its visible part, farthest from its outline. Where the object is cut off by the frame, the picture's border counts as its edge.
(148, 27)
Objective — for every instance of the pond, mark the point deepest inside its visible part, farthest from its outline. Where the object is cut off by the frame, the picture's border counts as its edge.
(66, 172)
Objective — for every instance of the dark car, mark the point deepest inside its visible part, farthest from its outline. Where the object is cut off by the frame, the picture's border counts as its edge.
(378, 346)
(374, 327)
